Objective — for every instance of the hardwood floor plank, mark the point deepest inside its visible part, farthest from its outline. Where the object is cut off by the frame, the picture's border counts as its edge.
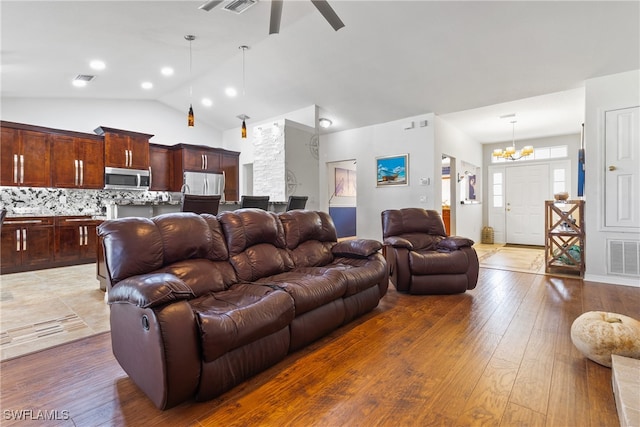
(516, 415)
(498, 355)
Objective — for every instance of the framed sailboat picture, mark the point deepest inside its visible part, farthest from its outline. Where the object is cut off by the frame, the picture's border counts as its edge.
(392, 170)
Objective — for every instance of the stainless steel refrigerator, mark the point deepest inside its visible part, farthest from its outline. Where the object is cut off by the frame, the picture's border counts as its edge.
(203, 183)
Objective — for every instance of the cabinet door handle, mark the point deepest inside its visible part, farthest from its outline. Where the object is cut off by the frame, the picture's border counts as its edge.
(126, 158)
(201, 161)
(75, 163)
(206, 161)
(15, 168)
(81, 172)
(24, 239)
(21, 169)
(80, 229)
(18, 240)
(86, 236)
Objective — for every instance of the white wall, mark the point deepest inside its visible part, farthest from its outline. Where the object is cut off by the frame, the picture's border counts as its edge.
(603, 94)
(365, 144)
(232, 140)
(466, 220)
(167, 124)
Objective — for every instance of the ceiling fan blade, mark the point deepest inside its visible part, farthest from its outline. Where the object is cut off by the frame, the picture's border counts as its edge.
(329, 14)
(276, 15)
(210, 5)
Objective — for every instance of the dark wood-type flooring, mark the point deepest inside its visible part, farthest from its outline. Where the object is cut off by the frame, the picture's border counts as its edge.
(500, 355)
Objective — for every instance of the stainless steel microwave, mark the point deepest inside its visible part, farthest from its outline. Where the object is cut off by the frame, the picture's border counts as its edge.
(126, 179)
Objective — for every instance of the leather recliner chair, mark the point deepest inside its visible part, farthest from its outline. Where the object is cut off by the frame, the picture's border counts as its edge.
(420, 256)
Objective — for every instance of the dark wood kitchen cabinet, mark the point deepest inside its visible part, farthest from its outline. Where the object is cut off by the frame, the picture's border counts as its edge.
(24, 157)
(77, 161)
(160, 159)
(125, 149)
(196, 158)
(26, 243)
(231, 168)
(76, 239)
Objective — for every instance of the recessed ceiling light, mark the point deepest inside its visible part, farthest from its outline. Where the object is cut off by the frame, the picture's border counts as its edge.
(167, 71)
(146, 85)
(97, 64)
(324, 123)
(207, 102)
(231, 92)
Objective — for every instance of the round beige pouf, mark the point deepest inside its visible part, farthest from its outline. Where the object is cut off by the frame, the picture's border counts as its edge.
(598, 335)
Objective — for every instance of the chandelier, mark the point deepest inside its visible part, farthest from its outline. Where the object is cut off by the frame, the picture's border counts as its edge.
(510, 153)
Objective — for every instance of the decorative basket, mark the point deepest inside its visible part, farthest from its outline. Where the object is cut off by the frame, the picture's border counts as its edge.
(487, 235)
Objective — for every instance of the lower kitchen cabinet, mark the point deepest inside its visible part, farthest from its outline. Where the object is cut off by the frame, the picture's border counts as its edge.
(35, 243)
(76, 239)
(27, 244)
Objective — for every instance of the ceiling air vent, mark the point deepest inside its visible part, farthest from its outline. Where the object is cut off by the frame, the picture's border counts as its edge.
(239, 6)
(84, 78)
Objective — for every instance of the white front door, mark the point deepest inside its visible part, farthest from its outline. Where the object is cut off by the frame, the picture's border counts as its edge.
(527, 188)
(622, 178)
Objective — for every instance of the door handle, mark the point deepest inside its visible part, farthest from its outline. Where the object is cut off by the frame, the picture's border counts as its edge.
(18, 240)
(86, 236)
(201, 161)
(21, 169)
(612, 168)
(81, 172)
(24, 239)
(81, 239)
(75, 164)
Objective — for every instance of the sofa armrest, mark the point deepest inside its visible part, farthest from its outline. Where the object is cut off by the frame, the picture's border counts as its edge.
(356, 248)
(398, 242)
(453, 243)
(150, 290)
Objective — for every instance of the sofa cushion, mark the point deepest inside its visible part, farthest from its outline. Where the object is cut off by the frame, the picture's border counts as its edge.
(433, 262)
(412, 220)
(243, 314)
(126, 236)
(310, 287)
(244, 228)
(185, 235)
(359, 248)
(256, 243)
(360, 273)
(301, 226)
(203, 275)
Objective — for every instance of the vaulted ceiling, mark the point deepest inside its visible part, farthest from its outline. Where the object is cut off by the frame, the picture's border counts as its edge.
(468, 61)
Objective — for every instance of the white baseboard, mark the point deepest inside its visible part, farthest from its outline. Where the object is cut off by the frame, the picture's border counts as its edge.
(613, 280)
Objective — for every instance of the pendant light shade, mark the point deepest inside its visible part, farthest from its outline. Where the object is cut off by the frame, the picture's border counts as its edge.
(190, 117)
(244, 130)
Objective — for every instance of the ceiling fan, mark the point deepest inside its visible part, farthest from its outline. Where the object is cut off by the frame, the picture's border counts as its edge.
(239, 6)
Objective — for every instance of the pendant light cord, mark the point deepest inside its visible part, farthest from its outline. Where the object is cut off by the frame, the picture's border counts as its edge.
(190, 71)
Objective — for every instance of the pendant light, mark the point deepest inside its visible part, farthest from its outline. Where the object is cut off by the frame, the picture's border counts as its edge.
(243, 117)
(190, 116)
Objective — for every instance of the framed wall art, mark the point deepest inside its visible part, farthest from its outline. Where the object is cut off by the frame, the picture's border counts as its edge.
(392, 170)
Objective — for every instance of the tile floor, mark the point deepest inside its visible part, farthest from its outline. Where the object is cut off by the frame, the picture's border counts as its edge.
(44, 308)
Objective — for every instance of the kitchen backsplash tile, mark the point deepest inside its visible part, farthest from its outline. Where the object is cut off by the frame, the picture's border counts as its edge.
(21, 201)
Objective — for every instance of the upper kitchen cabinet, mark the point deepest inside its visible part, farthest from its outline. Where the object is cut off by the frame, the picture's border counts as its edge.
(194, 158)
(77, 161)
(25, 156)
(125, 149)
(160, 160)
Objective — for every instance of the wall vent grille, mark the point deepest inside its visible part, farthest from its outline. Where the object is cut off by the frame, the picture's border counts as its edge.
(624, 257)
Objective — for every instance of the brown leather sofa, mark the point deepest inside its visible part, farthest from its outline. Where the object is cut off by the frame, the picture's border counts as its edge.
(422, 259)
(199, 303)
